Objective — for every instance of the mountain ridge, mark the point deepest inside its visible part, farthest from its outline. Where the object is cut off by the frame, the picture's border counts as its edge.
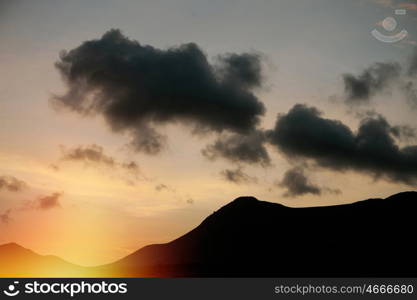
(248, 237)
(181, 251)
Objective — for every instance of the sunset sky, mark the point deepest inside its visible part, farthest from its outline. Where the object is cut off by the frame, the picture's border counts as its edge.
(135, 137)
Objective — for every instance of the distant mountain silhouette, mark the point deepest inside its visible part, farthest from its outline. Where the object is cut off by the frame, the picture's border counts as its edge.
(252, 238)
(16, 261)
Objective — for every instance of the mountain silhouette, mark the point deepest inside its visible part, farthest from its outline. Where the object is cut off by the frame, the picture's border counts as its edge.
(252, 238)
(16, 261)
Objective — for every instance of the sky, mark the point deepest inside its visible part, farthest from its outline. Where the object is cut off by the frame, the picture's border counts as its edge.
(125, 123)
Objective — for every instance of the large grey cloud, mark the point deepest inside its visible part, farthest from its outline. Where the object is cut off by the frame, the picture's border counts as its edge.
(137, 88)
(239, 148)
(303, 133)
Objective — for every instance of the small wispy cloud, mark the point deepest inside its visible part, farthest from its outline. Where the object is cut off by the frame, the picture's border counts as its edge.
(237, 176)
(48, 202)
(12, 184)
(163, 187)
(41, 203)
(90, 154)
(5, 217)
(298, 184)
(95, 156)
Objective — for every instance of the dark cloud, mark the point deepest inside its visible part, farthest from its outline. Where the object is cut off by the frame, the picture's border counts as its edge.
(147, 140)
(239, 148)
(5, 216)
(237, 176)
(241, 70)
(380, 77)
(404, 132)
(12, 184)
(374, 79)
(297, 184)
(88, 154)
(303, 134)
(137, 88)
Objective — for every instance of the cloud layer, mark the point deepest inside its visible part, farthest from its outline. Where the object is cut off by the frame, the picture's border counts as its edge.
(137, 88)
